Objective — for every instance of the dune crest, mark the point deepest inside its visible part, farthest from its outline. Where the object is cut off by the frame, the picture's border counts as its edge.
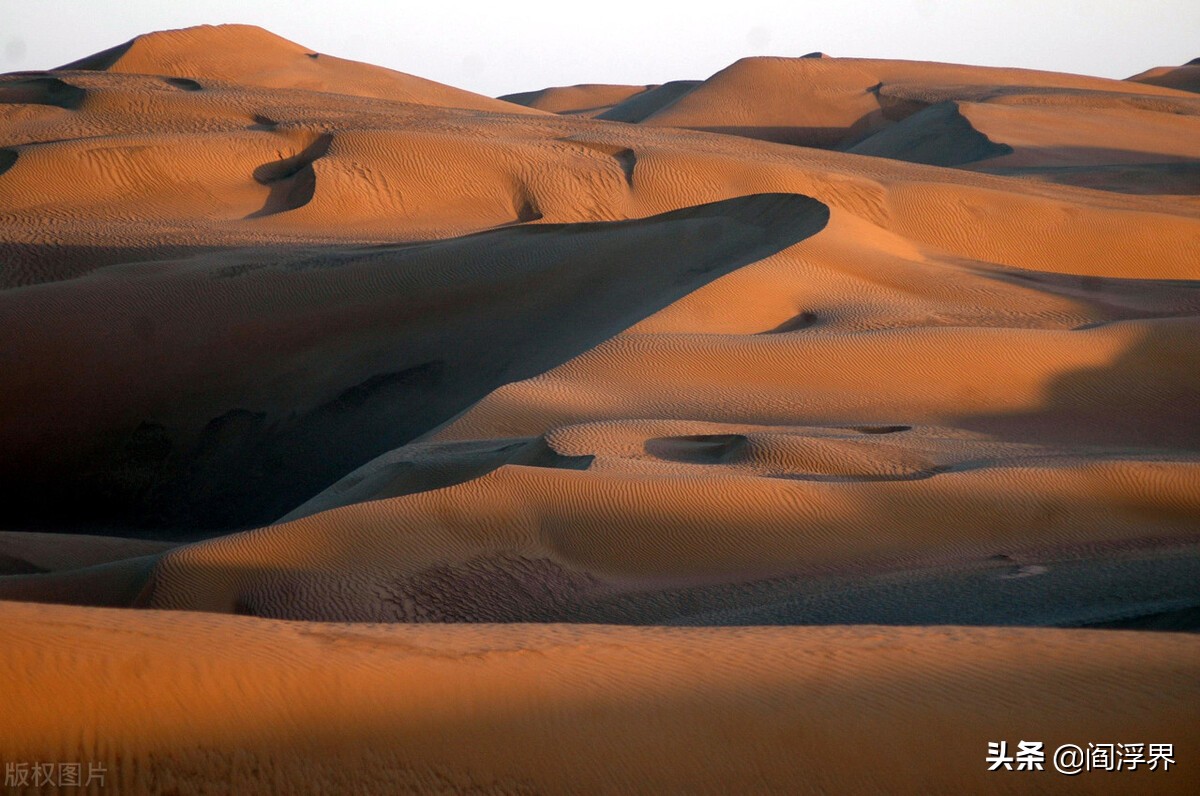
(1092, 132)
(249, 55)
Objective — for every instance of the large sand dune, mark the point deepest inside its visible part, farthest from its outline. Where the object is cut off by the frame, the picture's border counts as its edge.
(251, 56)
(205, 703)
(813, 341)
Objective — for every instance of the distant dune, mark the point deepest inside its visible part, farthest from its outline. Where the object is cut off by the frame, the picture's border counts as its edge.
(1069, 129)
(1185, 78)
(642, 388)
(251, 56)
(586, 100)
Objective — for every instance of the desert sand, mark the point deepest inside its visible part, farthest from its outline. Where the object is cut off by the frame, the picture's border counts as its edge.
(799, 429)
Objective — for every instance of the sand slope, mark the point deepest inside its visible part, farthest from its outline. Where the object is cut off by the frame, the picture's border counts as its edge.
(1185, 78)
(586, 100)
(824, 101)
(1096, 146)
(1102, 134)
(615, 543)
(417, 335)
(115, 223)
(202, 702)
(252, 56)
(814, 341)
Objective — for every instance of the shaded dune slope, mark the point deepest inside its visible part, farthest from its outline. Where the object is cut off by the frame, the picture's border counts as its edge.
(640, 106)
(1184, 78)
(326, 357)
(1106, 147)
(585, 100)
(688, 523)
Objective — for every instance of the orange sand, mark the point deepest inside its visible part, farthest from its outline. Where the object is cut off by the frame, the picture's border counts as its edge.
(811, 341)
(234, 703)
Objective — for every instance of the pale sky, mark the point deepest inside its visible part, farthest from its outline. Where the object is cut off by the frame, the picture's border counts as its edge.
(503, 47)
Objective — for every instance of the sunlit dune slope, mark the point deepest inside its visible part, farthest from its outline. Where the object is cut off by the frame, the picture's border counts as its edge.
(1097, 133)
(540, 542)
(232, 703)
(1124, 149)
(110, 220)
(824, 101)
(252, 56)
(582, 393)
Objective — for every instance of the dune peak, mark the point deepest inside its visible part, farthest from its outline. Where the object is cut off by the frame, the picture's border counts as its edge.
(251, 55)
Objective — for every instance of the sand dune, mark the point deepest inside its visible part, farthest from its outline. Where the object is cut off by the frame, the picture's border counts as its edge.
(1096, 133)
(829, 101)
(417, 333)
(618, 541)
(1110, 148)
(640, 106)
(586, 100)
(28, 552)
(212, 703)
(630, 369)
(1184, 78)
(249, 55)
